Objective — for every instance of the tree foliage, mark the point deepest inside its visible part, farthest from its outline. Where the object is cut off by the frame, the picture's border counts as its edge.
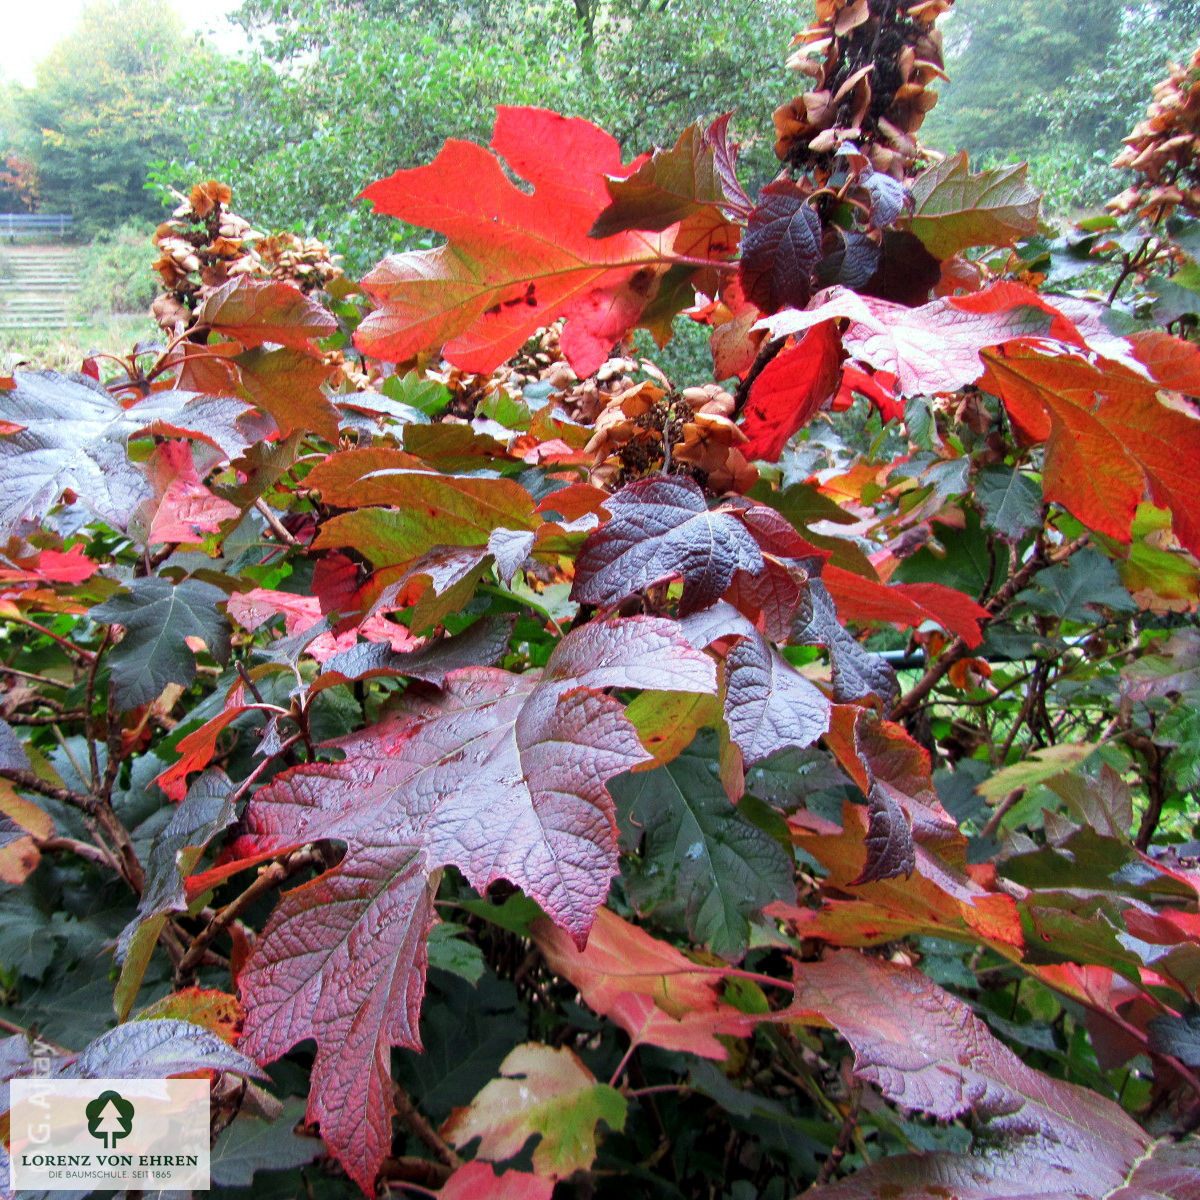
(102, 110)
(628, 785)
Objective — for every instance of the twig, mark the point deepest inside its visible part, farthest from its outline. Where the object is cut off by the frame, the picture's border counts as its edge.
(52, 845)
(51, 718)
(270, 875)
(89, 701)
(277, 526)
(43, 679)
(997, 608)
(76, 652)
(424, 1131)
(766, 353)
(844, 1138)
(1002, 810)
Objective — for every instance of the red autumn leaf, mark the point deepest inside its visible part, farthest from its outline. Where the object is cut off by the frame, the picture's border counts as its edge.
(300, 613)
(1110, 440)
(182, 509)
(197, 748)
(648, 987)
(905, 605)
(515, 261)
(479, 1181)
(790, 390)
(879, 387)
(503, 776)
(661, 528)
(934, 348)
(771, 597)
(51, 566)
(254, 311)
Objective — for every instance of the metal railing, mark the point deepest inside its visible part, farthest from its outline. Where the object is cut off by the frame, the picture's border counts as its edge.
(13, 225)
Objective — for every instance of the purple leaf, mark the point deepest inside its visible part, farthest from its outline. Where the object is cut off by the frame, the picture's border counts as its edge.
(660, 529)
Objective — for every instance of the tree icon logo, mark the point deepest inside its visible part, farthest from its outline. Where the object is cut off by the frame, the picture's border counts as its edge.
(109, 1118)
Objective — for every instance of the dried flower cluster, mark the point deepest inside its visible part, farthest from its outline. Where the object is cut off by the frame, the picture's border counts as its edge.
(648, 425)
(1164, 149)
(872, 63)
(205, 244)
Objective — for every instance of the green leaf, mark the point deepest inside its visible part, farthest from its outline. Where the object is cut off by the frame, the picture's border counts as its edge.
(1011, 501)
(158, 616)
(955, 209)
(250, 1145)
(1077, 589)
(703, 863)
(448, 951)
(425, 395)
(1036, 767)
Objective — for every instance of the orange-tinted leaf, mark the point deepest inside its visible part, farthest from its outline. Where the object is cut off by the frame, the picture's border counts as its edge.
(655, 993)
(21, 823)
(1111, 441)
(218, 1012)
(515, 261)
(287, 384)
(937, 900)
(253, 311)
(887, 764)
(906, 605)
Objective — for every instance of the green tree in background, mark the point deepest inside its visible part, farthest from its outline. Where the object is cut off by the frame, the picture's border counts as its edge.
(344, 91)
(1056, 82)
(102, 110)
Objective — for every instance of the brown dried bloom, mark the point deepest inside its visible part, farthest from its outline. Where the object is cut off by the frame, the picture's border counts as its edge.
(1164, 149)
(871, 63)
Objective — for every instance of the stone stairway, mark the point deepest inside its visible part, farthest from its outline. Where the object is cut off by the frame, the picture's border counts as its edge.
(37, 285)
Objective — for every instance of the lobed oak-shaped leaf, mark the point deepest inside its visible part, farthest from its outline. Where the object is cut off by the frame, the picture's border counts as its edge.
(1110, 440)
(926, 1050)
(515, 260)
(158, 617)
(954, 209)
(703, 865)
(661, 528)
(72, 437)
(933, 348)
(254, 311)
(780, 249)
(674, 184)
(503, 776)
(543, 1091)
